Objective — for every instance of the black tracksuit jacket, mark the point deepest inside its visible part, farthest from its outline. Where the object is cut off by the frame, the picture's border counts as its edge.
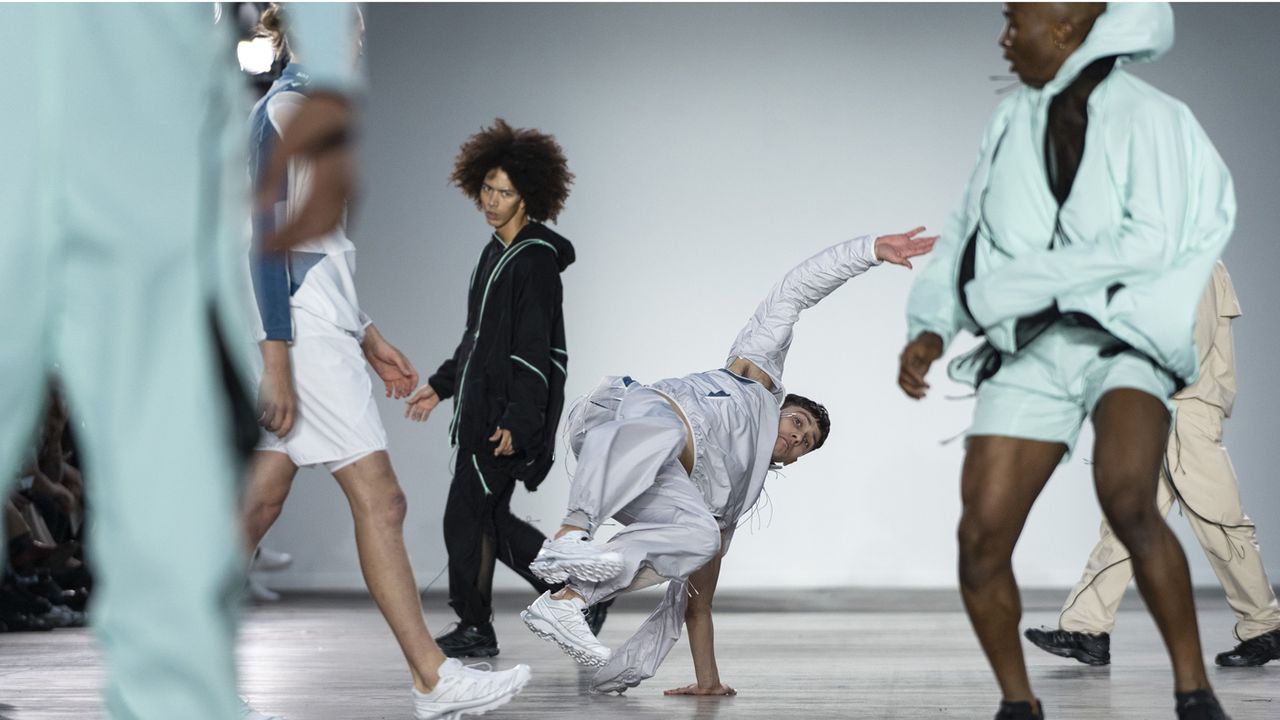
(509, 370)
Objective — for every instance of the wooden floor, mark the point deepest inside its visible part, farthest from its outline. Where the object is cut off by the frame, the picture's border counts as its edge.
(835, 654)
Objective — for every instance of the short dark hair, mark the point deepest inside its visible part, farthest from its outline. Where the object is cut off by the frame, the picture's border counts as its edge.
(532, 159)
(817, 410)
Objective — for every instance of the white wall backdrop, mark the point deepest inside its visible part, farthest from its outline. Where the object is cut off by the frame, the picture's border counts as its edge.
(715, 146)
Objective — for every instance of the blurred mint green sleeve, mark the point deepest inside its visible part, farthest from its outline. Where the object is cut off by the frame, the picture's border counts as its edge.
(324, 37)
(1166, 154)
(933, 305)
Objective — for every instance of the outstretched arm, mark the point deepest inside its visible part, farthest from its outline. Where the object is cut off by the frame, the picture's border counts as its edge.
(760, 349)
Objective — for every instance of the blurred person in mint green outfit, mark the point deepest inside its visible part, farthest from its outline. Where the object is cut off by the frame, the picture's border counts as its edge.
(122, 189)
(1089, 229)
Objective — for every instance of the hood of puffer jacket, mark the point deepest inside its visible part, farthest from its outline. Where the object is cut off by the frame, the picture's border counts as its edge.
(1133, 32)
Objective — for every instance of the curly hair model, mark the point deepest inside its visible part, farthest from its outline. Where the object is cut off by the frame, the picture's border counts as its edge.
(508, 373)
(532, 161)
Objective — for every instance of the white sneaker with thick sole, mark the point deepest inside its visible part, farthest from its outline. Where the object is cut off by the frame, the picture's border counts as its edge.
(248, 713)
(468, 691)
(260, 592)
(561, 622)
(574, 555)
(268, 560)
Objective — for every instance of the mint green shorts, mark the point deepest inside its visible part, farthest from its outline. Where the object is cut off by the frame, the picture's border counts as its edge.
(1046, 391)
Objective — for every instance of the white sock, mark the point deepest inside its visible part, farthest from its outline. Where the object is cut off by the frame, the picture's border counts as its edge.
(579, 535)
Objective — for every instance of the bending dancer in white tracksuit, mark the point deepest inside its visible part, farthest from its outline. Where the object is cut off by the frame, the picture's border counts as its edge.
(678, 463)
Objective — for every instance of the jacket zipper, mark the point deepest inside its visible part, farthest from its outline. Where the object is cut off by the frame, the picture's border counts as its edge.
(475, 336)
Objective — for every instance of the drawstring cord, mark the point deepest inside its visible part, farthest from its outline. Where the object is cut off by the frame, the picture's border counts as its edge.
(1003, 89)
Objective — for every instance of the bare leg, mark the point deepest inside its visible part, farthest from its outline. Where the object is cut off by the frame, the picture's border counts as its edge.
(1002, 478)
(568, 529)
(378, 507)
(1132, 429)
(270, 479)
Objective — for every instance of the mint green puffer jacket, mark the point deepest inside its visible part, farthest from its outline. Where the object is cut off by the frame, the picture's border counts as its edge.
(1149, 213)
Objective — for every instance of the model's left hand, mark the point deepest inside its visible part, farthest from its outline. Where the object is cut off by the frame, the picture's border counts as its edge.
(391, 365)
(695, 689)
(899, 249)
(505, 445)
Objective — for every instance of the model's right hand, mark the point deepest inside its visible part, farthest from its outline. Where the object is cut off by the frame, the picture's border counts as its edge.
(420, 404)
(277, 402)
(917, 357)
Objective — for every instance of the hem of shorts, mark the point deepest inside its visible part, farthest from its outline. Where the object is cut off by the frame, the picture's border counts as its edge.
(346, 458)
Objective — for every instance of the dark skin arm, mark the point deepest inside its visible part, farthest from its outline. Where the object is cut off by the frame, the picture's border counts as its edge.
(914, 363)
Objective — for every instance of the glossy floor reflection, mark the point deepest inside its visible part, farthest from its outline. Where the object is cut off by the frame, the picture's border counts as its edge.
(839, 654)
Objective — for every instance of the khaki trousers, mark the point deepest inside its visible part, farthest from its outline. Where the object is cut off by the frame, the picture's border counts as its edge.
(1198, 474)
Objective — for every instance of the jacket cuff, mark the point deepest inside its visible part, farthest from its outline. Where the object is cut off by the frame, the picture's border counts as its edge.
(519, 429)
(444, 390)
(867, 251)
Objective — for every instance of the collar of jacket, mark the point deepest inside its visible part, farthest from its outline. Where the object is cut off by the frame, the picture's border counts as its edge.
(1133, 32)
(294, 72)
(537, 231)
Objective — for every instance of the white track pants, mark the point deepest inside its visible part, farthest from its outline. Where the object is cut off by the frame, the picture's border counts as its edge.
(628, 469)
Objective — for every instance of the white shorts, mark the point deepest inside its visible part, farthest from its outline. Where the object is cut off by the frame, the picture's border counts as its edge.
(337, 419)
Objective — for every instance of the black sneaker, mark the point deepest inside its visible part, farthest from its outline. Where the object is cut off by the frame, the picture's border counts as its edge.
(1252, 652)
(1198, 705)
(1088, 649)
(1020, 711)
(595, 616)
(469, 641)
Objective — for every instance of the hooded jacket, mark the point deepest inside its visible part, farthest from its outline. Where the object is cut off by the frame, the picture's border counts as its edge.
(509, 370)
(1131, 247)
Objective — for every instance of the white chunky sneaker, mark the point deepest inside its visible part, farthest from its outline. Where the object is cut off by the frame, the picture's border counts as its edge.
(574, 555)
(248, 713)
(268, 560)
(561, 622)
(468, 691)
(260, 592)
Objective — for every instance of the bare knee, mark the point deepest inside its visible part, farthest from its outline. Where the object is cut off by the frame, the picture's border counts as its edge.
(382, 503)
(985, 550)
(1136, 523)
(390, 510)
(1126, 492)
(373, 491)
(261, 515)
